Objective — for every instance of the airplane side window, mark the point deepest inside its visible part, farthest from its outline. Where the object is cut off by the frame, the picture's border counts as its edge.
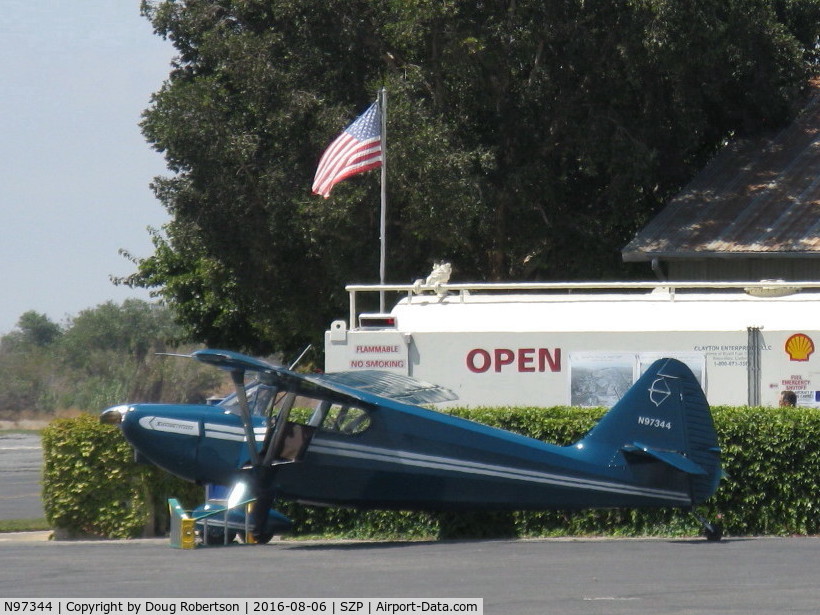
(319, 414)
(339, 418)
(348, 420)
(287, 403)
(264, 397)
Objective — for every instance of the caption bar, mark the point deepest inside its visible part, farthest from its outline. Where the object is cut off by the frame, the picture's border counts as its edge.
(257, 606)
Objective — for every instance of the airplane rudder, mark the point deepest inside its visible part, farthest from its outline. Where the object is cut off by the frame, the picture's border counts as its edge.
(666, 415)
(654, 411)
(702, 445)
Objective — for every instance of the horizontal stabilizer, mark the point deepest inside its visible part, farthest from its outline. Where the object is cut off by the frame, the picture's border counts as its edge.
(671, 458)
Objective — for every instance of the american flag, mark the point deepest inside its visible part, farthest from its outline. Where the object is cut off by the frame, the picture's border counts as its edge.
(356, 150)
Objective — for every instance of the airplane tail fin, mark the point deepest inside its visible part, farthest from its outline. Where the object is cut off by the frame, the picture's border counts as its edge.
(664, 417)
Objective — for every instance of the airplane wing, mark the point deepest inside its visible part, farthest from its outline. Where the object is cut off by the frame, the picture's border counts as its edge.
(394, 386)
(355, 384)
(232, 361)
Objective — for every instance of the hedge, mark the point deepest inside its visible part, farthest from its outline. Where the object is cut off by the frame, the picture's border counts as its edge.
(93, 488)
(771, 457)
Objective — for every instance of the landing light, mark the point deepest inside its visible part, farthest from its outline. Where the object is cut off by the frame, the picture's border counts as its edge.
(237, 494)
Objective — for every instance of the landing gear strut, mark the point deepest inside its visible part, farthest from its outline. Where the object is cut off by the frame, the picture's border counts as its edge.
(714, 532)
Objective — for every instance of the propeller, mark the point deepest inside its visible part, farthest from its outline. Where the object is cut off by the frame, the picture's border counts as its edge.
(261, 474)
(262, 471)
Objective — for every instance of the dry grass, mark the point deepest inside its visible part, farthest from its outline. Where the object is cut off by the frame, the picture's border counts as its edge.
(33, 421)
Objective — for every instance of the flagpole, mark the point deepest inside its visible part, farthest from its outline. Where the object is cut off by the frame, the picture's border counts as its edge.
(383, 218)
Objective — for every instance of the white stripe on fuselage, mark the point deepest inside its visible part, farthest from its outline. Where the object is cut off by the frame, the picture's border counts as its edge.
(406, 458)
(217, 431)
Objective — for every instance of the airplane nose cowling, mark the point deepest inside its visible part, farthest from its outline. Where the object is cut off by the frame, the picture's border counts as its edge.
(166, 435)
(114, 415)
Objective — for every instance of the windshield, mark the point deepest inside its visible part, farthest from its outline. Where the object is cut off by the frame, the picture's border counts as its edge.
(259, 399)
(263, 400)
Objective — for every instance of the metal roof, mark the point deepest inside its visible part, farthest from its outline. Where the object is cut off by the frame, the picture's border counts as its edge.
(757, 197)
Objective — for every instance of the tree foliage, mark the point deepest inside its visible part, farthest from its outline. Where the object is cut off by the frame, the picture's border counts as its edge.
(33, 330)
(103, 356)
(526, 140)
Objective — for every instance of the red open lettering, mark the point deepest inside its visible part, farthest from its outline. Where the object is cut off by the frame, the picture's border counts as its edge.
(478, 360)
(526, 360)
(503, 356)
(553, 360)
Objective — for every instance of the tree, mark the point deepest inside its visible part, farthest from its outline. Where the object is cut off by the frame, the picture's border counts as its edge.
(33, 329)
(525, 140)
(102, 356)
(133, 329)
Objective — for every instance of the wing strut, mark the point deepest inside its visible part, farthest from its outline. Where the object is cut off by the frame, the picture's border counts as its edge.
(238, 377)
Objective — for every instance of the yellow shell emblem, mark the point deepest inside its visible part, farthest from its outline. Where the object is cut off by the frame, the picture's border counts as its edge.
(799, 347)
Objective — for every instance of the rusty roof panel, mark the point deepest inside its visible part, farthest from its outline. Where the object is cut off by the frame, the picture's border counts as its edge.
(757, 197)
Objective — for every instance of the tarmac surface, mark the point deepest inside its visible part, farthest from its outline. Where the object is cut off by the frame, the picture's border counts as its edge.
(514, 577)
(21, 460)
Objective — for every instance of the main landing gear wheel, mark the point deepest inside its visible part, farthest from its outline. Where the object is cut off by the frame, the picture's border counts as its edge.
(713, 531)
(262, 538)
(263, 490)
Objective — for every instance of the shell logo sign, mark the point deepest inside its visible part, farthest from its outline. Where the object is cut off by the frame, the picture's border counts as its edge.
(799, 347)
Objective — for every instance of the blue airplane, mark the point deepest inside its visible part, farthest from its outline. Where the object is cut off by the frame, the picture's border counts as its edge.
(361, 439)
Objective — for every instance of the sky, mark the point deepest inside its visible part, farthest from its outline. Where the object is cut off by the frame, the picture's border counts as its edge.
(75, 170)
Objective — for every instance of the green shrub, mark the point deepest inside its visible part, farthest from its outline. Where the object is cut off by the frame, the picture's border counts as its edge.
(771, 457)
(772, 460)
(92, 487)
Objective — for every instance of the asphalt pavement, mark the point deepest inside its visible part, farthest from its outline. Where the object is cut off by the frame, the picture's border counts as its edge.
(21, 460)
(514, 577)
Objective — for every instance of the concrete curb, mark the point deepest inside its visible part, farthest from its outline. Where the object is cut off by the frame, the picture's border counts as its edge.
(40, 536)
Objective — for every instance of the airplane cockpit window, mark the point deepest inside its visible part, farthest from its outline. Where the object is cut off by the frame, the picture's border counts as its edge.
(348, 420)
(259, 397)
(265, 400)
